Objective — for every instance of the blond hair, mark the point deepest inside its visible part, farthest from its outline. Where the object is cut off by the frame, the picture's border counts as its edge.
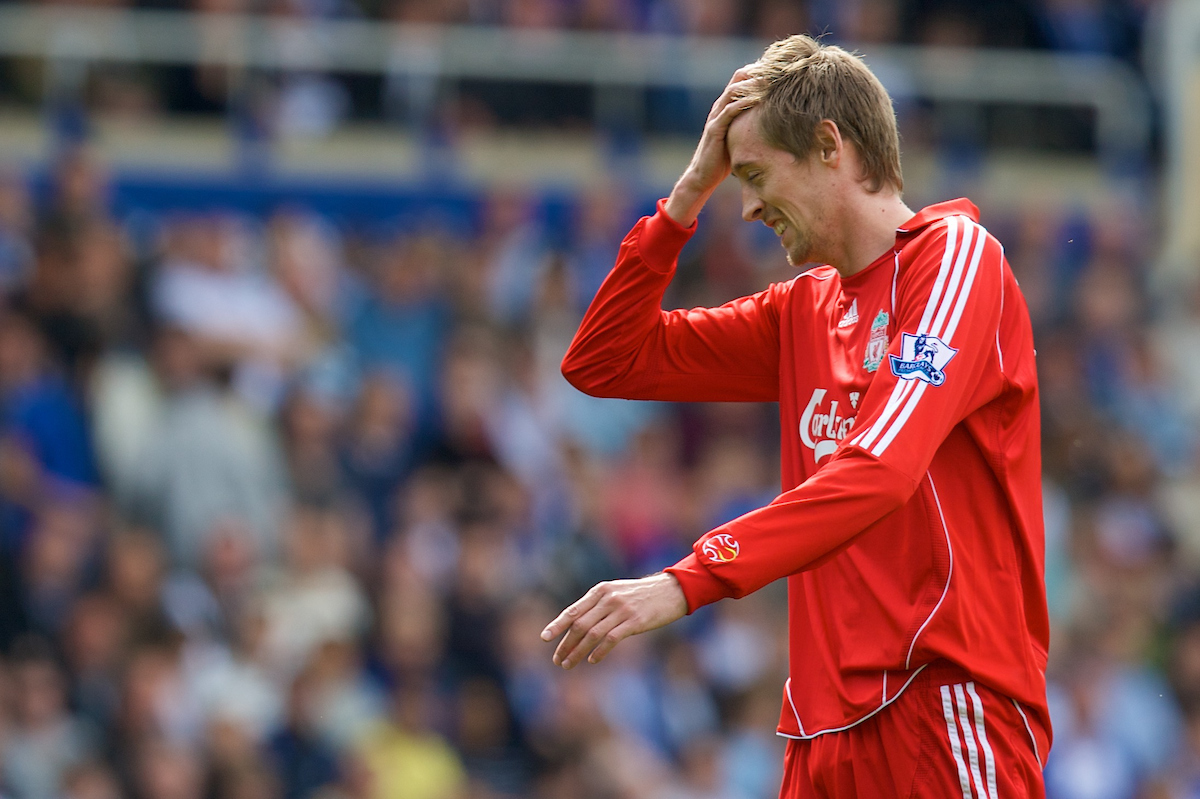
(803, 82)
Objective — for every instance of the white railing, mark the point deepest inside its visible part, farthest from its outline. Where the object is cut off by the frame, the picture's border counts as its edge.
(69, 39)
(1179, 42)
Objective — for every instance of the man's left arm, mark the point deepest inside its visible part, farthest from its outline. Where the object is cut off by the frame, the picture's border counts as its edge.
(943, 363)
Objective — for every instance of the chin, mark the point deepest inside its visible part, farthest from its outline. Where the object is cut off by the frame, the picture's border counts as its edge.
(797, 256)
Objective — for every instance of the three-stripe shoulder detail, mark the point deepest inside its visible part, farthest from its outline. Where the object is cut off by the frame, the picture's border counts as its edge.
(956, 277)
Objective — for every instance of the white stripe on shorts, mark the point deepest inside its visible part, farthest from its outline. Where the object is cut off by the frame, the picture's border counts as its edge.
(972, 750)
(981, 734)
(955, 746)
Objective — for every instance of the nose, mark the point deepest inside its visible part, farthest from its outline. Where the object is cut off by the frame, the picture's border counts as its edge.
(752, 206)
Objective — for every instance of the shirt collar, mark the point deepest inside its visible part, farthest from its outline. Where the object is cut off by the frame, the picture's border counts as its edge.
(932, 213)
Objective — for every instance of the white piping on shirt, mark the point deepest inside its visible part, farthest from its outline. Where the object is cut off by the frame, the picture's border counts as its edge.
(787, 689)
(949, 572)
(999, 352)
(806, 736)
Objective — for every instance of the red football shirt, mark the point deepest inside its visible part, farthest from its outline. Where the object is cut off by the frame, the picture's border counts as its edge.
(910, 522)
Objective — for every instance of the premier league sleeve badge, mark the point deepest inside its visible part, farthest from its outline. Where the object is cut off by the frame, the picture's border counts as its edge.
(922, 357)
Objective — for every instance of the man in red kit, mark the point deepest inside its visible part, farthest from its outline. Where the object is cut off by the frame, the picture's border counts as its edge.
(910, 523)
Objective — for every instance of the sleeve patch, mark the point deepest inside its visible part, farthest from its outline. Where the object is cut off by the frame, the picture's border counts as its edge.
(922, 357)
(721, 548)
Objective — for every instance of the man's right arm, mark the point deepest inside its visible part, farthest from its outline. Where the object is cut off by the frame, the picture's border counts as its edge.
(628, 347)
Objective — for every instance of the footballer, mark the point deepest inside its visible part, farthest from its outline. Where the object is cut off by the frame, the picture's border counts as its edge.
(909, 526)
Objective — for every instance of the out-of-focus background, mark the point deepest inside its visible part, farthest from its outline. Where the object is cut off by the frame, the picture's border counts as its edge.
(289, 478)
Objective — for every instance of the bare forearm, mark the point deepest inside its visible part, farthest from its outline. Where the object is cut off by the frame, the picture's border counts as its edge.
(687, 199)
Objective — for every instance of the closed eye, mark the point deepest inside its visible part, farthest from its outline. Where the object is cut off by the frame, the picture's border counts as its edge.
(747, 171)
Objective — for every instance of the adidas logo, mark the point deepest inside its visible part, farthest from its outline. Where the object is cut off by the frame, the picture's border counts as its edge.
(851, 316)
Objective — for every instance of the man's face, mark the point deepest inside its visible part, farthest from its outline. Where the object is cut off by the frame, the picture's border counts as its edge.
(788, 194)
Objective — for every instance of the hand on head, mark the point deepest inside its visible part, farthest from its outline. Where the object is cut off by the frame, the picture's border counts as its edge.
(710, 163)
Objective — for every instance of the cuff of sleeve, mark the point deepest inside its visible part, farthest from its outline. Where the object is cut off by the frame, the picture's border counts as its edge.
(699, 586)
(661, 240)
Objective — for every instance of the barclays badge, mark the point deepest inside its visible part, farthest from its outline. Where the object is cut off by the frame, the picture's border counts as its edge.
(922, 357)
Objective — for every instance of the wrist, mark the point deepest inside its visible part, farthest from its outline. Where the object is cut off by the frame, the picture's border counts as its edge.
(686, 200)
(697, 583)
(674, 600)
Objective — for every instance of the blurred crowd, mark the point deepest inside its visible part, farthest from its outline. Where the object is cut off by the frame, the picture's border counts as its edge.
(1096, 26)
(285, 502)
(314, 102)
(284, 506)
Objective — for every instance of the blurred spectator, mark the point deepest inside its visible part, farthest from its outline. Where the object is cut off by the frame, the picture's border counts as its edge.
(515, 255)
(402, 324)
(645, 501)
(306, 764)
(39, 414)
(1114, 728)
(739, 648)
(209, 465)
(46, 740)
(315, 598)
(703, 774)
(689, 711)
(79, 289)
(16, 228)
(91, 780)
(406, 759)
(208, 286)
(61, 545)
(95, 638)
(470, 384)
(234, 685)
(380, 446)
(310, 422)
(604, 219)
(753, 755)
(349, 699)
(166, 771)
(305, 256)
(80, 191)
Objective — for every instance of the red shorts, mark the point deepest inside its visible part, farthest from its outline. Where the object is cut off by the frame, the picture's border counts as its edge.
(945, 737)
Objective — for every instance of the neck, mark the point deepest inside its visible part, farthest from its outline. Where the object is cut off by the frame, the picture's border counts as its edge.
(870, 230)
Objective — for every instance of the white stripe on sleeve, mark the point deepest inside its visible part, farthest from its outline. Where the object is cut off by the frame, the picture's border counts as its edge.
(962, 298)
(935, 294)
(904, 387)
(971, 231)
(951, 326)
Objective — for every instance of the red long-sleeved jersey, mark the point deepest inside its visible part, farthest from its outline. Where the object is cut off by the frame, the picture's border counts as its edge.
(910, 523)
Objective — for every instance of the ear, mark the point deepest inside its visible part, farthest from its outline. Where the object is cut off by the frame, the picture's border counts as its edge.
(829, 143)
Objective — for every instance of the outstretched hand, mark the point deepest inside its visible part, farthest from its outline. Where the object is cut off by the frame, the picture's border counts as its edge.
(610, 613)
(710, 163)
